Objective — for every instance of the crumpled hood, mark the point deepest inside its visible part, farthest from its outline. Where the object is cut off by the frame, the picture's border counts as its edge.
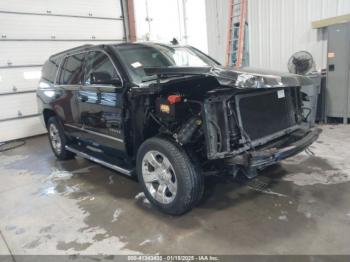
(257, 78)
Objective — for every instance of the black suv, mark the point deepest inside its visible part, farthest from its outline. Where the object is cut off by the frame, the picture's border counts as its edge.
(170, 115)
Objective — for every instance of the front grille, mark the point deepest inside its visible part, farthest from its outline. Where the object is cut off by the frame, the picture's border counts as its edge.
(265, 113)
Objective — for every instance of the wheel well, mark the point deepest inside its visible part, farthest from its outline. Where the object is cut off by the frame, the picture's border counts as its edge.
(47, 114)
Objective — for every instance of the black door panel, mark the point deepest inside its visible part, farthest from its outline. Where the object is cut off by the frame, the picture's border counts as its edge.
(69, 82)
(100, 105)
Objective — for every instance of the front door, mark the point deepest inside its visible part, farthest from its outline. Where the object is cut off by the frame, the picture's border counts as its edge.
(101, 105)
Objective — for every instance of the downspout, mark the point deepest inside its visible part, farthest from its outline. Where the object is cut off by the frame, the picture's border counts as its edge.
(148, 20)
(131, 21)
(185, 20)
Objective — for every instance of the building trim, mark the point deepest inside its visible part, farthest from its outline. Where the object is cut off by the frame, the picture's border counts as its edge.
(331, 21)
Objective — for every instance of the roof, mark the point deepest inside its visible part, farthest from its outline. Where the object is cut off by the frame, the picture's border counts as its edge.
(89, 46)
(78, 48)
(146, 44)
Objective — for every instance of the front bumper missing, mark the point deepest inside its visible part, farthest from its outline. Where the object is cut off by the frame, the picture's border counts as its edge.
(268, 156)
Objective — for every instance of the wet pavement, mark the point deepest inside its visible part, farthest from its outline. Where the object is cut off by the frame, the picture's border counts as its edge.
(77, 207)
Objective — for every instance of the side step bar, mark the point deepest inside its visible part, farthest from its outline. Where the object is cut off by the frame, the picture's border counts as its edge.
(99, 161)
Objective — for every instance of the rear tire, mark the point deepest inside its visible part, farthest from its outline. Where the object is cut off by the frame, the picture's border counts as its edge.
(170, 181)
(58, 140)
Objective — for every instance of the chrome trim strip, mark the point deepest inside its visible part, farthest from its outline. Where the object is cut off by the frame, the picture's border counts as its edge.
(95, 133)
(94, 149)
(99, 161)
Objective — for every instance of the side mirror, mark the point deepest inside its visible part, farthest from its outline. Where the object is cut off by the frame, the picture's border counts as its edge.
(104, 78)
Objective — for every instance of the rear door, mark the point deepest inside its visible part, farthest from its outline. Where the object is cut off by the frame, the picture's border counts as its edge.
(101, 104)
(70, 79)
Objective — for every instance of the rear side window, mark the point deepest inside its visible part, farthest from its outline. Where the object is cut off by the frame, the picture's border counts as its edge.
(50, 70)
(99, 62)
(72, 70)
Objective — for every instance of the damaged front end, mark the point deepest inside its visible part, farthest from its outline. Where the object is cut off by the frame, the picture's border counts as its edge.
(253, 130)
(235, 120)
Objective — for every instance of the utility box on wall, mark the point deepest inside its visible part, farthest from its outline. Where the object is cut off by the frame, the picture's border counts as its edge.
(338, 75)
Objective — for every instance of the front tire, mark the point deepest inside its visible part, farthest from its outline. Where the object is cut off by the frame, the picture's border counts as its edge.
(170, 181)
(58, 139)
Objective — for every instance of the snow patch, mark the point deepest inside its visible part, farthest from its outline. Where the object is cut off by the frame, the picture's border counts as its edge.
(156, 239)
(7, 160)
(111, 181)
(308, 215)
(147, 241)
(329, 177)
(268, 191)
(116, 215)
(140, 195)
(283, 218)
(57, 174)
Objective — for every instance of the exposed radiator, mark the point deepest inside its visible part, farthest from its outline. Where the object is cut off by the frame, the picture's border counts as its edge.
(265, 113)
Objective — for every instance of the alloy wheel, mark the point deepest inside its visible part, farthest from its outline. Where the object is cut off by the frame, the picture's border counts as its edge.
(55, 139)
(159, 177)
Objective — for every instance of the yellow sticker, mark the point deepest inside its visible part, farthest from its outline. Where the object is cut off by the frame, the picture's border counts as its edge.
(165, 108)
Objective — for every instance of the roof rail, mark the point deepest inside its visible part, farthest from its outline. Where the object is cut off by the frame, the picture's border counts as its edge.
(71, 50)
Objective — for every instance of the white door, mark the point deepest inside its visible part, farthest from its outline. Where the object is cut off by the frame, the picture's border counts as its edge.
(31, 31)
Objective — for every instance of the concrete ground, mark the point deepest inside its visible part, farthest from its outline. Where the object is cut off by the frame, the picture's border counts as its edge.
(299, 207)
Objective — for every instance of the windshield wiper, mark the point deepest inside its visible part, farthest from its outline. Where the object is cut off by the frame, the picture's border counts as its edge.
(157, 73)
(171, 71)
(156, 77)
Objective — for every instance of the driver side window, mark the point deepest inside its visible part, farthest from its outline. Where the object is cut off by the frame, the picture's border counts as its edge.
(99, 64)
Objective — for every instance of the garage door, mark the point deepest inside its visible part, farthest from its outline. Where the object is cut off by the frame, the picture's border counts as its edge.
(30, 31)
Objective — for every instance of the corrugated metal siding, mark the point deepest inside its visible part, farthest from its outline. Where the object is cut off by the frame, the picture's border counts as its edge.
(217, 22)
(279, 28)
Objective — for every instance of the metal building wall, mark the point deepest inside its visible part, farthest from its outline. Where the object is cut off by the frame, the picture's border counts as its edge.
(30, 31)
(217, 23)
(278, 28)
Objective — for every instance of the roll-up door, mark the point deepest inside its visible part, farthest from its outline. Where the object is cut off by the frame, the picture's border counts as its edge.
(30, 31)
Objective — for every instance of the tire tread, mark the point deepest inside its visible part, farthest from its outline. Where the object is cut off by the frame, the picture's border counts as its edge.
(65, 154)
(192, 180)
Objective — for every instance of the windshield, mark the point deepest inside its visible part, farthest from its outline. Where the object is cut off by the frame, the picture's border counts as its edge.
(138, 57)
